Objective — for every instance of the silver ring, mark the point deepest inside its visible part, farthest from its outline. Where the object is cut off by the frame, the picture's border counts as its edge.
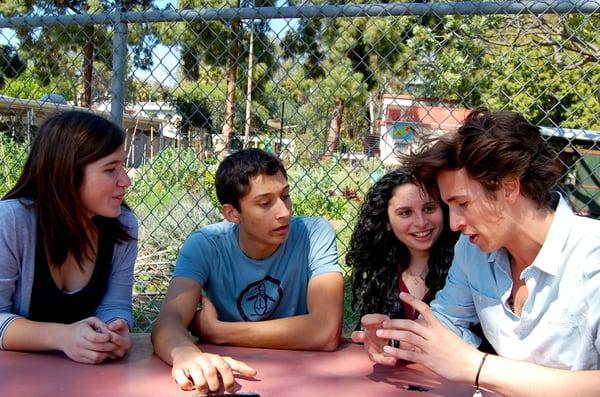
(394, 343)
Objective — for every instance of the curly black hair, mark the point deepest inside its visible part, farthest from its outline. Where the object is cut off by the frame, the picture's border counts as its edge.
(377, 257)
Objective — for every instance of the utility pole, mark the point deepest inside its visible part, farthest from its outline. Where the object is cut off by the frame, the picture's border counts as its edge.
(248, 122)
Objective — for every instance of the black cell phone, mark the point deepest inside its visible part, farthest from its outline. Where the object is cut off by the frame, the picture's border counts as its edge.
(417, 388)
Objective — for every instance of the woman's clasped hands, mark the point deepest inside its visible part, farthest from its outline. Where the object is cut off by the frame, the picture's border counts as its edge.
(91, 341)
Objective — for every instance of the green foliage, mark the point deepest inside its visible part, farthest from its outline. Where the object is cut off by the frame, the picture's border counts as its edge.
(194, 113)
(169, 176)
(211, 50)
(545, 94)
(543, 66)
(55, 54)
(351, 318)
(162, 231)
(11, 65)
(28, 86)
(12, 159)
(12, 7)
(325, 189)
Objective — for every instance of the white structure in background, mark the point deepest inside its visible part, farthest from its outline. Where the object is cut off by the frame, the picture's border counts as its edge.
(579, 155)
(407, 121)
(148, 142)
(162, 111)
(571, 134)
(30, 113)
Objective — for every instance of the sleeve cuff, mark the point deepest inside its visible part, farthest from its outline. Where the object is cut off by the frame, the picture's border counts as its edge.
(6, 320)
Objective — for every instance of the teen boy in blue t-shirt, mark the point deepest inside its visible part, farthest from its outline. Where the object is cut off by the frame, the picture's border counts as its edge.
(271, 280)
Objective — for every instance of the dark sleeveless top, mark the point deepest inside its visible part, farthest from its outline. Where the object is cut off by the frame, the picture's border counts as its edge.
(408, 312)
(50, 304)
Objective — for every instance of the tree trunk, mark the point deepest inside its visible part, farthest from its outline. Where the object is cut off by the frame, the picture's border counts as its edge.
(234, 54)
(333, 136)
(200, 150)
(88, 67)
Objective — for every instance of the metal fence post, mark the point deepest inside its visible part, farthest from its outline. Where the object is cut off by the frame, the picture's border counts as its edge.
(119, 64)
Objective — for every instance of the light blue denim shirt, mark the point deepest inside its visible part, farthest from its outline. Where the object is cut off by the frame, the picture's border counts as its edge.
(559, 323)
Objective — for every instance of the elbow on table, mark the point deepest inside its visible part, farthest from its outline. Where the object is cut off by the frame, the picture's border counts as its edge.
(328, 340)
(332, 344)
(154, 336)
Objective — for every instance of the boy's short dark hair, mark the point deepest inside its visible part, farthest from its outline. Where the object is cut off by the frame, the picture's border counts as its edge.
(232, 181)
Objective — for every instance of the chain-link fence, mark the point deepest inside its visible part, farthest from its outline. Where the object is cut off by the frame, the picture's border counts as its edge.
(335, 89)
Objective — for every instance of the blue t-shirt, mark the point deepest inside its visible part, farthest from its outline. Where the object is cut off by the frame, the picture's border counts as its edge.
(245, 289)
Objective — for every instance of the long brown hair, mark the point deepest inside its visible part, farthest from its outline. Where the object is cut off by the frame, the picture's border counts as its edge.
(65, 143)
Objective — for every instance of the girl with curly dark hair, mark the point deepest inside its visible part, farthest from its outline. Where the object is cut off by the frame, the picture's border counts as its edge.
(402, 242)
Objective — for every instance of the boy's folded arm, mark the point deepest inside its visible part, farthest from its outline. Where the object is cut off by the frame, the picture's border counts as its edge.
(320, 329)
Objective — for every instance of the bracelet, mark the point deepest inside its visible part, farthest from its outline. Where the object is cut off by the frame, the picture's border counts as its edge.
(477, 391)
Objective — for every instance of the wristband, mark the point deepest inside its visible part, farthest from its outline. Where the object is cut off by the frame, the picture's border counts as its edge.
(477, 391)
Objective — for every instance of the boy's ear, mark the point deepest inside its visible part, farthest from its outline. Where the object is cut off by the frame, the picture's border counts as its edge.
(230, 213)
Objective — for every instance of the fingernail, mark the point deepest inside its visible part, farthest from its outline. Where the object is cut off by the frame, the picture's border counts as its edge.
(388, 349)
(379, 333)
(403, 294)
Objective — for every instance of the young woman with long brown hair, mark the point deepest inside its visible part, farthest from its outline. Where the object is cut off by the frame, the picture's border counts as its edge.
(68, 244)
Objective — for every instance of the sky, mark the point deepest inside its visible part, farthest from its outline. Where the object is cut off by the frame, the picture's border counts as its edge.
(165, 59)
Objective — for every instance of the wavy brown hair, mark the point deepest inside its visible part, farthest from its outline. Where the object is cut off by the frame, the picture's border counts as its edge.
(491, 146)
(65, 143)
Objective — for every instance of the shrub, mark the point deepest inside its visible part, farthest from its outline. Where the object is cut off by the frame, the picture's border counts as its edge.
(162, 231)
(12, 159)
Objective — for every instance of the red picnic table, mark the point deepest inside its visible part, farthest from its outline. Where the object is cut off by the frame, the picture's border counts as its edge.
(347, 372)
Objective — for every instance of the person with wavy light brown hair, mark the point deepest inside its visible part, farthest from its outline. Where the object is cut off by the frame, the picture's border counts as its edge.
(526, 267)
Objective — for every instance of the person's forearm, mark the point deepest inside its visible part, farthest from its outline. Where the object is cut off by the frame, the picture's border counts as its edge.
(303, 332)
(169, 338)
(518, 378)
(26, 335)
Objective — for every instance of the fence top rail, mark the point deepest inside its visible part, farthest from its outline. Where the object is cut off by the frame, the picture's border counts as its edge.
(321, 11)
